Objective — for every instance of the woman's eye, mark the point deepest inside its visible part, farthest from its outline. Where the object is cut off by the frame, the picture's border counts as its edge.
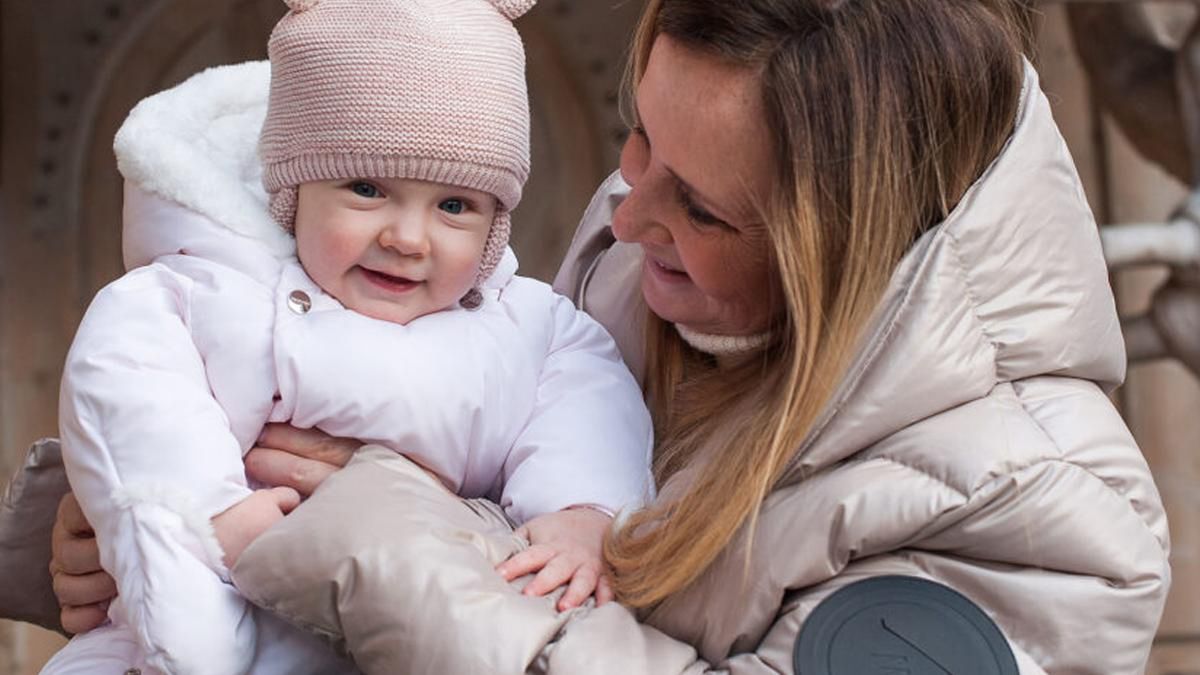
(453, 206)
(698, 215)
(364, 189)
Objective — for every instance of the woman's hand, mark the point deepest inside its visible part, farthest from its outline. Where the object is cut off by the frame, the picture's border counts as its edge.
(83, 589)
(565, 548)
(297, 458)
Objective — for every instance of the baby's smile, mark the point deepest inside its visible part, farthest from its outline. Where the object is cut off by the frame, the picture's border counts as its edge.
(389, 282)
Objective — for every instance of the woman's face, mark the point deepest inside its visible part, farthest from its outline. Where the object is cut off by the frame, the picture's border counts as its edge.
(700, 166)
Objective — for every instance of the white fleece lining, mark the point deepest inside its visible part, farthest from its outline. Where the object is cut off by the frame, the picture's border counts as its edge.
(197, 145)
(182, 505)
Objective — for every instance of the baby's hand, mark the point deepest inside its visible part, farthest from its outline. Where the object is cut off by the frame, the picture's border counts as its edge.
(241, 523)
(564, 547)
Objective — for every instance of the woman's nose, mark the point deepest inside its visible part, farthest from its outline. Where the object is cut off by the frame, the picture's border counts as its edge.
(639, 218)
(629, 222)
(407, 234)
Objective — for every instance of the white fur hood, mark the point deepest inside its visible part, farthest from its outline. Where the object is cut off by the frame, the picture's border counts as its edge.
(196, 146)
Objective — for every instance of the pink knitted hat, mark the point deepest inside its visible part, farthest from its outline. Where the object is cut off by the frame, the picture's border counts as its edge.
(425, 89)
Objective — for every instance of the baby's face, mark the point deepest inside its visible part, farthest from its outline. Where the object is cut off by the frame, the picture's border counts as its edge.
(391, 248)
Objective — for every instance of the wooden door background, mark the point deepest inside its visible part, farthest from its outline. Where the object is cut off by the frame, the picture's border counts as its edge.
(71, 69)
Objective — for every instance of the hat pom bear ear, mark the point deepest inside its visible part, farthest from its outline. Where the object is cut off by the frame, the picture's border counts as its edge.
(513, 9)
(300, 5)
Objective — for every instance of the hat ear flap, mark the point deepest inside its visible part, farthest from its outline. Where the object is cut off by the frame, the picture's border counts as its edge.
(513, 9)
(282, 206)
(473, 300)
(493, 248)
(493, 252)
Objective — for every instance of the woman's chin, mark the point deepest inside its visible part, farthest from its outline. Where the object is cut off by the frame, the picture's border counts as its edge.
(689, 310)
(670, 304)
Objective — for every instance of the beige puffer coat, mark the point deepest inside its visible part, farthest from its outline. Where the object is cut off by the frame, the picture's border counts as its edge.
(971, 443)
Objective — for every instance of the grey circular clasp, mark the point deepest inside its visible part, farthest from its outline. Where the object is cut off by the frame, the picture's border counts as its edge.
(900, 624)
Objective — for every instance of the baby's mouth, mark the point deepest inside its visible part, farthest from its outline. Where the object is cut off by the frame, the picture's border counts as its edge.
(389, 281)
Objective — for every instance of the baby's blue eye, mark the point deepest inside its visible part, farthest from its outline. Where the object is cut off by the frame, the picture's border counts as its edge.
(453, 206)
(364, 189)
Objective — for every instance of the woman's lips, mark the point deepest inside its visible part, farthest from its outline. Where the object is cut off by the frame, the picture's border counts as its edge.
(666, 272)
(387, 282)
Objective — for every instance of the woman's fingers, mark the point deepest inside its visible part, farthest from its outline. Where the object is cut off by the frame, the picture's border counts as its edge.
(583, 582)
(284, 469)
(77, 620)
(74, 555)
(526, 562)
(297, 458)
(313, 444)
(73, 547)
(70, 516)
(82, 588)
(77, 590)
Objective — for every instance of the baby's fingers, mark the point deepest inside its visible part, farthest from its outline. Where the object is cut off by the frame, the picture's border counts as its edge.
(604, 591)
(286, 498)
(526, 562)
(554, 574)
(581, 586)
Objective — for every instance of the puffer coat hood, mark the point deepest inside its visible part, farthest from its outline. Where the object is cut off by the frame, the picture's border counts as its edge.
(1011, 286)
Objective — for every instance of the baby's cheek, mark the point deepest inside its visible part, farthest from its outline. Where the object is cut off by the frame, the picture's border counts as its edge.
(326, 259)
(467, 258)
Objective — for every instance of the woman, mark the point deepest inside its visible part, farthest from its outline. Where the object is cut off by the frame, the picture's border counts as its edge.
(851, 259)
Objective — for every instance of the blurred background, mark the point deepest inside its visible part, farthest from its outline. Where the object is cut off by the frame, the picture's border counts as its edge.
(1121, 77)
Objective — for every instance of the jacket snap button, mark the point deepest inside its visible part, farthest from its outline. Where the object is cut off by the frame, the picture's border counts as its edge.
(133, 671)
(299, 302)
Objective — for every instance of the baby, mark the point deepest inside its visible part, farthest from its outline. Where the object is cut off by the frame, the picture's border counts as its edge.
(394, 147)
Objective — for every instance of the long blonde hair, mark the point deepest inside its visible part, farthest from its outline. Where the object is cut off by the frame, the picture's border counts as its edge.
(884, 112)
